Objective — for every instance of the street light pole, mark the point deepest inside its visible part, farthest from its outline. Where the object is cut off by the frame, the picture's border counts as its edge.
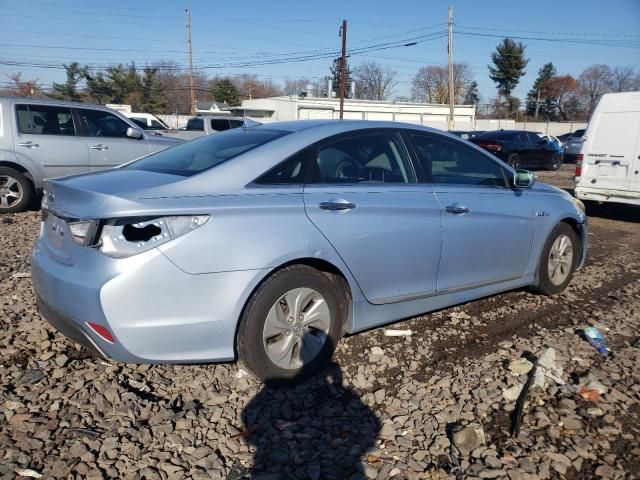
(343, 66)
(451, 89)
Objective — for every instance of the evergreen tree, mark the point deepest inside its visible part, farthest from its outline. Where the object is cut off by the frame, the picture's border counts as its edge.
(335, 75)
(472, 97)
(546, 73)
(69, 89)
(151, 99)
(224, 90)
(508, 66)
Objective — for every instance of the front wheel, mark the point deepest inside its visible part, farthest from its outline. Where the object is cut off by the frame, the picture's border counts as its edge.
(558, 260)
(291, 325)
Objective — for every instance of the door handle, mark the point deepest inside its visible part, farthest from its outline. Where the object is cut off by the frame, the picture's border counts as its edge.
(457, 209)
(29, 144)
(99, 147)
(337, 206)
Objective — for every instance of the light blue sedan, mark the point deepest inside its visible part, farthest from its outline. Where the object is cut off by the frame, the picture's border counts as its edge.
(270, 243)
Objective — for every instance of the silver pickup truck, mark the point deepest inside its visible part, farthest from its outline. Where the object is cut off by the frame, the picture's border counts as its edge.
(208, 125)
(49, 138)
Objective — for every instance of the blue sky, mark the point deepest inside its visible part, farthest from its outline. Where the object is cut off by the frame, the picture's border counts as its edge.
(46, 34)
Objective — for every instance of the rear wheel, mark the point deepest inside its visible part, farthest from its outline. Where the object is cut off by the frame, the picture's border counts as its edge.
(291, 325)
(514, 160)
(558, 260)
(16, 191)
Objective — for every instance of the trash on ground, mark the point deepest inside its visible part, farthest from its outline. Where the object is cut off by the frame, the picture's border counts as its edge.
(282, 424)
(397, 333)
(590, 382)
(516, 416)
(21, 275)
(241, 373)
(521, 366)
(468, 438)
(27, 472)
(589, 394)
(511, 394)
(548, 368)
(595, 338)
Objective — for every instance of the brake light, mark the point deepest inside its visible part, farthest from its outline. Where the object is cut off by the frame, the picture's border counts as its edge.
(102, 332)
(579, 158)
(492, 147)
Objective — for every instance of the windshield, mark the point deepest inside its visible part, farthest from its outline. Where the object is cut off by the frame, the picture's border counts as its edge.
(204, 153)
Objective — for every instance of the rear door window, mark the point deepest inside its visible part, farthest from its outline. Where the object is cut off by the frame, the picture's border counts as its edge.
(98, 123)
(195, 124)
(45, 120)
(449, 162)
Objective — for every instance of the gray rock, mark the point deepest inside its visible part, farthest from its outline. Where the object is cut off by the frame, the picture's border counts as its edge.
(468, 438)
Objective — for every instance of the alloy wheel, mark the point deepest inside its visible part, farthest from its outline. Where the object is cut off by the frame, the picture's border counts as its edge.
(11, 192)
(560, 259)
(296, 328)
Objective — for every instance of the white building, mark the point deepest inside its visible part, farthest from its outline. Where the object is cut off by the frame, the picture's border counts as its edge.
(283, 108)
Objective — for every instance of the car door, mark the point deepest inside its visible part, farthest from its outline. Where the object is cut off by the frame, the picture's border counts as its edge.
(361, 193)
(47, 135)
(487, 227)
(106, 138)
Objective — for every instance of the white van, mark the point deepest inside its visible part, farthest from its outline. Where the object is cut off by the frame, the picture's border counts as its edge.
(146, 121)
(608, 166)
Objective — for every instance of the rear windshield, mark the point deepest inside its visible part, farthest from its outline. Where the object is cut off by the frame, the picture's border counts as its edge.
(204, 153)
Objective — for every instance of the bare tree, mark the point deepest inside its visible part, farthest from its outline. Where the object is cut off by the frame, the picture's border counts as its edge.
(560, 90)
(294, 87)
(593, 82)
(250, 86)
(23, 88)
(374, 81)
(430, 84)
(624, 79)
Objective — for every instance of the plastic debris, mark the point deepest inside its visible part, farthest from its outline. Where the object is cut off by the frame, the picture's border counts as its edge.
(21, 275)
(241, 373)
(589, 394)
(27, 472)
(590, 382)
(548, 368)
(521, 366)
(595, 338)
(397, 333)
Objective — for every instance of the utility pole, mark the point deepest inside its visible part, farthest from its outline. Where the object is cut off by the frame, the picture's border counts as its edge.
(537, 104)
(343, 66)
(451, 89)
(193, 93)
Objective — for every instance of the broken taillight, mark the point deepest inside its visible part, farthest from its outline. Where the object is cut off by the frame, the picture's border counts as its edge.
(102, 332)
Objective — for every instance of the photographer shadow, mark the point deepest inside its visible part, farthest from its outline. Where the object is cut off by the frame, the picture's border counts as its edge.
(316, 429)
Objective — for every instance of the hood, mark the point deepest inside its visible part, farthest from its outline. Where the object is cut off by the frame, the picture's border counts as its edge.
(83, 196)
(546, 188)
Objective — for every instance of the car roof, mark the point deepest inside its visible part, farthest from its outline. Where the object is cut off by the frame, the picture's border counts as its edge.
(52, 101)
(346, 125)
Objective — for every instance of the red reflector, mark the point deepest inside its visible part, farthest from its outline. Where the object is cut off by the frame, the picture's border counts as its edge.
(102, 332)
(579, 158)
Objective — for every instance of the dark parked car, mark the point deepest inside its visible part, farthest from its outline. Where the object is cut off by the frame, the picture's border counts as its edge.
(467, 135)
(520, 149)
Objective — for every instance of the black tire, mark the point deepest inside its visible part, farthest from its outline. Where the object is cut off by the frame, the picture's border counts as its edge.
(514, 160)
(545, 285)
(554, 162)
(9, 203)
(251, 349)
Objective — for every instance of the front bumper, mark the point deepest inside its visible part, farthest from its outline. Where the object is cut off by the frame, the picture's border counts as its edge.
(156, 312)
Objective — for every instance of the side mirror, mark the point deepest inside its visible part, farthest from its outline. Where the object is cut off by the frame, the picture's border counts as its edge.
(523, 179)
(134, 133)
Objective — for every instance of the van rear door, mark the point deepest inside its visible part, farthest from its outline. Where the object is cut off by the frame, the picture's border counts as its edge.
(610, 150)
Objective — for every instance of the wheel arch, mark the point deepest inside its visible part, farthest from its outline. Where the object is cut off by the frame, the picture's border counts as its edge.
(322, 265)
(22, 169)
(581, 232)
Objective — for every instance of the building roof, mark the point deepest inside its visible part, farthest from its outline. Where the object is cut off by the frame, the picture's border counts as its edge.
(211, 105)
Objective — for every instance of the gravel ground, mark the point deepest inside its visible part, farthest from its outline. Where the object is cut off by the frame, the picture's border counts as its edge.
(436, 404)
